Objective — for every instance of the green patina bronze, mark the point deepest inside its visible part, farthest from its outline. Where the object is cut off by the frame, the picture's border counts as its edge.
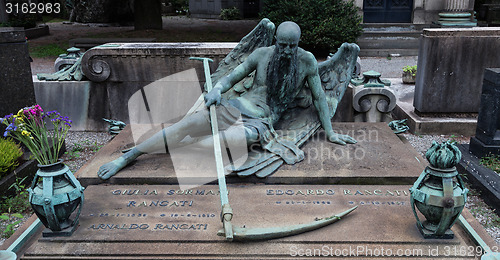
(371, 79)
(68, 67)
(280, 87)
(115, 126)
(399, 126)
(248, 234)
(54, 195)
(71, 73)
(439, 193)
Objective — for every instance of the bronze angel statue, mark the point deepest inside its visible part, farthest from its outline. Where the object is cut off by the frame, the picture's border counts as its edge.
(279, 92)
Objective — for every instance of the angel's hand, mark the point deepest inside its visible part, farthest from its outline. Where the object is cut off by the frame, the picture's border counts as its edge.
(213, 97)
(340, 139)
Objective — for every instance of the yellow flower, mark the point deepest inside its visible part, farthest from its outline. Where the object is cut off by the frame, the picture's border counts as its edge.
(20, 112)
(25, 133)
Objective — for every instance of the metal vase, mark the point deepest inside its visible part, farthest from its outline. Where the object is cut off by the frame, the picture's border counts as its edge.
(439, 193)
(55, 194)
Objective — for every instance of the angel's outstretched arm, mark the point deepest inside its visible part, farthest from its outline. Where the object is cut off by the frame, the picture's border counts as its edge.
(319, 100)
(226, 83)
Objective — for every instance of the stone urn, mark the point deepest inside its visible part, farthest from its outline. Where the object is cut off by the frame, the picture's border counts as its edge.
(409, 77)
(439, 193)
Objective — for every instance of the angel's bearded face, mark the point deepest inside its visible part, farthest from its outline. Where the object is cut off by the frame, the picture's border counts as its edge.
(287, 39)
(286, 48)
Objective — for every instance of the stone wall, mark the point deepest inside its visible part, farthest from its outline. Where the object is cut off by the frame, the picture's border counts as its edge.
(451, 65)
(211, 8)
(117, 71)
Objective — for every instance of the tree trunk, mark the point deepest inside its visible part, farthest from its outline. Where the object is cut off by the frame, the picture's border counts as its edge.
(147, 14)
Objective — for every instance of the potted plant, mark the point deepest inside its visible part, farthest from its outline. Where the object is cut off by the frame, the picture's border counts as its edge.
(53, 182)
(409, 74)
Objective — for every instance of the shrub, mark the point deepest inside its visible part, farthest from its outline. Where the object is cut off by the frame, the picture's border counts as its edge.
(411, 69)
(9, 153)
(232, 13)
(325, 24)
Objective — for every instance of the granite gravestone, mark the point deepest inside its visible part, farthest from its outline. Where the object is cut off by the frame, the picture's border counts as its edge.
(487, 139)
(15, 72)
(451, 65)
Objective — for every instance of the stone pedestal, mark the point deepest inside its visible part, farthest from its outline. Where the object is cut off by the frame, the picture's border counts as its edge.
(487, 139)
(451, 65)
(372, 100)
(378, 157)
(15, 72)
(456, 14)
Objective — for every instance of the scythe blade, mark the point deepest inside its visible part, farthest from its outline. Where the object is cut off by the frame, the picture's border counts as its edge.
(250, 234)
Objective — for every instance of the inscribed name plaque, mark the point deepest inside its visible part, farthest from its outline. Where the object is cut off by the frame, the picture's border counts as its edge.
(153, 221)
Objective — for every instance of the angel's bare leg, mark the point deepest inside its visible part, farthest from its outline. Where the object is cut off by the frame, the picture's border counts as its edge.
(195, 125)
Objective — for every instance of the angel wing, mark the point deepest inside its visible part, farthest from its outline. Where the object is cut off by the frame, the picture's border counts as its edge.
(260, 36)
(301, 122)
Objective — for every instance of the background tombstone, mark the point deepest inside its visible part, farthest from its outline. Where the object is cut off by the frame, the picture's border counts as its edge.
(4, 17)
(451, 65)
(487, 139)
(15, 72)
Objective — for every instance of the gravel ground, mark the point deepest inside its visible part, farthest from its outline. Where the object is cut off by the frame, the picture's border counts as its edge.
(82, 146)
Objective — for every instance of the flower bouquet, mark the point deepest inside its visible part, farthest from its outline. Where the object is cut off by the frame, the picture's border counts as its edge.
(29, 126)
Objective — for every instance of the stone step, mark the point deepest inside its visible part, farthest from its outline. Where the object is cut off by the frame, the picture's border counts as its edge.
(387, 52)
(388, 43)
(385, 39)
(393, 26)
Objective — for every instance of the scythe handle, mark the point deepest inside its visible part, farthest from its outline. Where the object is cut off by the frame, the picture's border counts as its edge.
(227, 212)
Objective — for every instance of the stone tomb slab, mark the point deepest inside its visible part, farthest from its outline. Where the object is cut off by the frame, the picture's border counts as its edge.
(161, 221)
(379, 157)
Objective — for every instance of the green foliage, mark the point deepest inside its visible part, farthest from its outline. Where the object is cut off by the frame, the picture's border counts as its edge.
(19, 202)
(492, 162)
(180, 7)
(48, 50)
(232, 13)
(80, 147)
(12, 207)
(9, 228)
(9, 153)
(51, 19)
(26, 23)
(325, 24)
(411, 69)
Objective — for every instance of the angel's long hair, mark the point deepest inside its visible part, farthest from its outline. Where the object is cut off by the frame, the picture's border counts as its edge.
(282, 80)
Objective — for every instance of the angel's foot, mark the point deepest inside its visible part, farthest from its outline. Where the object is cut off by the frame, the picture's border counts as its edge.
(110, 169)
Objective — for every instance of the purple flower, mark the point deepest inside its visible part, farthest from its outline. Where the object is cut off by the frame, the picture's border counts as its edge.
(10, 127)
(7, 117)
(51, 113)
